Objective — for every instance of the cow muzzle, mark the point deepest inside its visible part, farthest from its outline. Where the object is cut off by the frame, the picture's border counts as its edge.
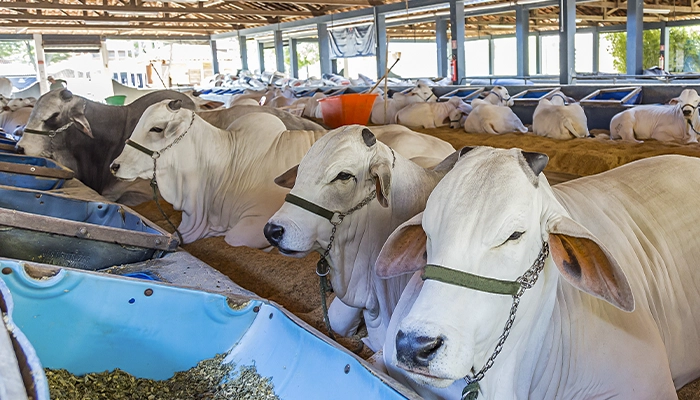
(114, 167)
(273, 233)
(414, 352)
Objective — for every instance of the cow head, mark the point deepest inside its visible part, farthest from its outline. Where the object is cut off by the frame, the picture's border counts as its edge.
(499, 96)
(424, 92)
(159, 125)
(489, 217)
(54, 110)
(338, 172)
(688, 101)
(460, 112)
(16, 104)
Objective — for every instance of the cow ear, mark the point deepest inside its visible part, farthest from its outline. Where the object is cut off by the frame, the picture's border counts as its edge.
(82, 124)
(585, 263)
(289, 178)
(674, 101)
(404, 251)
(381, 174)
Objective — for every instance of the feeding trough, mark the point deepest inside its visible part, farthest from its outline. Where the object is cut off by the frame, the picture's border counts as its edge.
(99, 322)
(466, 94)
(7, 145)
(602, 105)
(531, 97)
(62, 230)
(32, 172)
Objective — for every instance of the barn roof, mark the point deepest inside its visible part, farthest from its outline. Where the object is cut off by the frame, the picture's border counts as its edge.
(193, 18)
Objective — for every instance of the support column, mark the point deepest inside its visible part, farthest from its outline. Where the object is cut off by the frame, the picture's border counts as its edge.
(380, 26)
(40, 63)
(596, 50)
(665, 49)
(567, 32)
(635, 42)
(214, 56)
(441, 41)
(261, 56)
(243, 48)
(457, 37)
(293, 59)
(538, 54)
(279, 51)
(492, 54)
(324, 48)
(522, 31)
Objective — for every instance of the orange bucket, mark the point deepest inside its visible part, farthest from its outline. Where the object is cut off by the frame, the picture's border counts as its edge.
(347, 109)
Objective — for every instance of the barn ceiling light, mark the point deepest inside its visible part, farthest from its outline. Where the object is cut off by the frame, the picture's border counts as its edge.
(656, 11)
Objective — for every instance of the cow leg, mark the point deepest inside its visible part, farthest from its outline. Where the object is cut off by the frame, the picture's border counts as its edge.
(622, 127)
(344, 319)
(248, 232)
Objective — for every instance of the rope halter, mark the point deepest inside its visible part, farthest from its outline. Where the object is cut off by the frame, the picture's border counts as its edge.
(514, 288)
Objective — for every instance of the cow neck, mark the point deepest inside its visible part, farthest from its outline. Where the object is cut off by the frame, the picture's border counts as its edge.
(358, 244)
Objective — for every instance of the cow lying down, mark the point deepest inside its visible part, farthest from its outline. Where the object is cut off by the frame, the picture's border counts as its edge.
(433, 114)
(338, 172)
(382, 114)
(559, 118)
(492, 114)
(615, 312)
(222, 180)
(222, 118)
(677, 122)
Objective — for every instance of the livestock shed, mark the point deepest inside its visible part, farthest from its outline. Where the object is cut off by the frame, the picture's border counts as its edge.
(349, 199)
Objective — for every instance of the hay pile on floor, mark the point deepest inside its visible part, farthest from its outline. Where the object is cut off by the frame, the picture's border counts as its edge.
(293, 282)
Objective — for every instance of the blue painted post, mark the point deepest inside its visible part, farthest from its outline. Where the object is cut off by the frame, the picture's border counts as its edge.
(243, 47)
(324, 48)
(635, 42)
(522, 31)
(279, 51)
(380, 27)
(214, 56)
(441, 41)
(567, 32)
(457, 37)
(293, 59)
(261, 56)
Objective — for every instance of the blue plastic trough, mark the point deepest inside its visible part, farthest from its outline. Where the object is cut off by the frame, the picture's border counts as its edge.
(87, 322)
(66, 231)
(32, 172)
(7, 145)
(466, 94)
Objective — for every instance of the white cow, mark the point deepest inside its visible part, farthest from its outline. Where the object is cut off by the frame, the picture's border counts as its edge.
(5, 87)
(339, 171)
(495, 119)
(13, 122)
(498, 96)
(615, 312)
(420, 93)
(677, 122)
(223, 181)
(559, 119)
(312, 108)
(434, 114)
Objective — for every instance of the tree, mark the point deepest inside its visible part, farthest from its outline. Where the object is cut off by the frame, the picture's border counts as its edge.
(307, 54)
(683, 54)
(17, 51)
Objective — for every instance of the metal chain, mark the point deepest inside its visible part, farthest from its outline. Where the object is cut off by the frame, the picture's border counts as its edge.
(59, 130)
(527, 281)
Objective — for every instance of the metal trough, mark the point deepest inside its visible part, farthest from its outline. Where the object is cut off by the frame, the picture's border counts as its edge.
(602, 105)
(7, 145)
(88, 322)
(466, 94)
(32, 172)
(62, 230)
(531, 97)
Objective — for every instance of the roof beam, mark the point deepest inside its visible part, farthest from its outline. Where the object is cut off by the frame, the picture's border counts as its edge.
(78, 18)
(107, 27)
(130, 8)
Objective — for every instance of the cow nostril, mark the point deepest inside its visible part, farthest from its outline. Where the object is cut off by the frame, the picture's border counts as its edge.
(19, 149)
(416, 351)
(273, 233)
(114, 167)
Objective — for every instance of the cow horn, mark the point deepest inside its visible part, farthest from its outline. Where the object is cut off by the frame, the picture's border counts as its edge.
(175, 105)
(464, 150)
(368, 137)
(536, 161)
(66, 94)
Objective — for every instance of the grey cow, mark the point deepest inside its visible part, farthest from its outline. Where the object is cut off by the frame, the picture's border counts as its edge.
(88, 136)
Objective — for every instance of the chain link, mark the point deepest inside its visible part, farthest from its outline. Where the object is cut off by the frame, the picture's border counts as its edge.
(527, 281)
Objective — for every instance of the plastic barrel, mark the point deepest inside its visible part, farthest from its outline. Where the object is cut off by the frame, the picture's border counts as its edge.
(117, 100)
(347, 109)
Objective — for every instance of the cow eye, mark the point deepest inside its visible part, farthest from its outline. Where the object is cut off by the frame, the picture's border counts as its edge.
(156, 129)
(52, 117)
(515, 236)
(343, 176)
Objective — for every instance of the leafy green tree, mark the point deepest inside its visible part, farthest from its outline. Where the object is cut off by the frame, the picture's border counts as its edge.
(17, 51)
(307, 54)
(683, 54)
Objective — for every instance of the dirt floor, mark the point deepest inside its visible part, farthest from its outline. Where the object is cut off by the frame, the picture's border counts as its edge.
(293, 282)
